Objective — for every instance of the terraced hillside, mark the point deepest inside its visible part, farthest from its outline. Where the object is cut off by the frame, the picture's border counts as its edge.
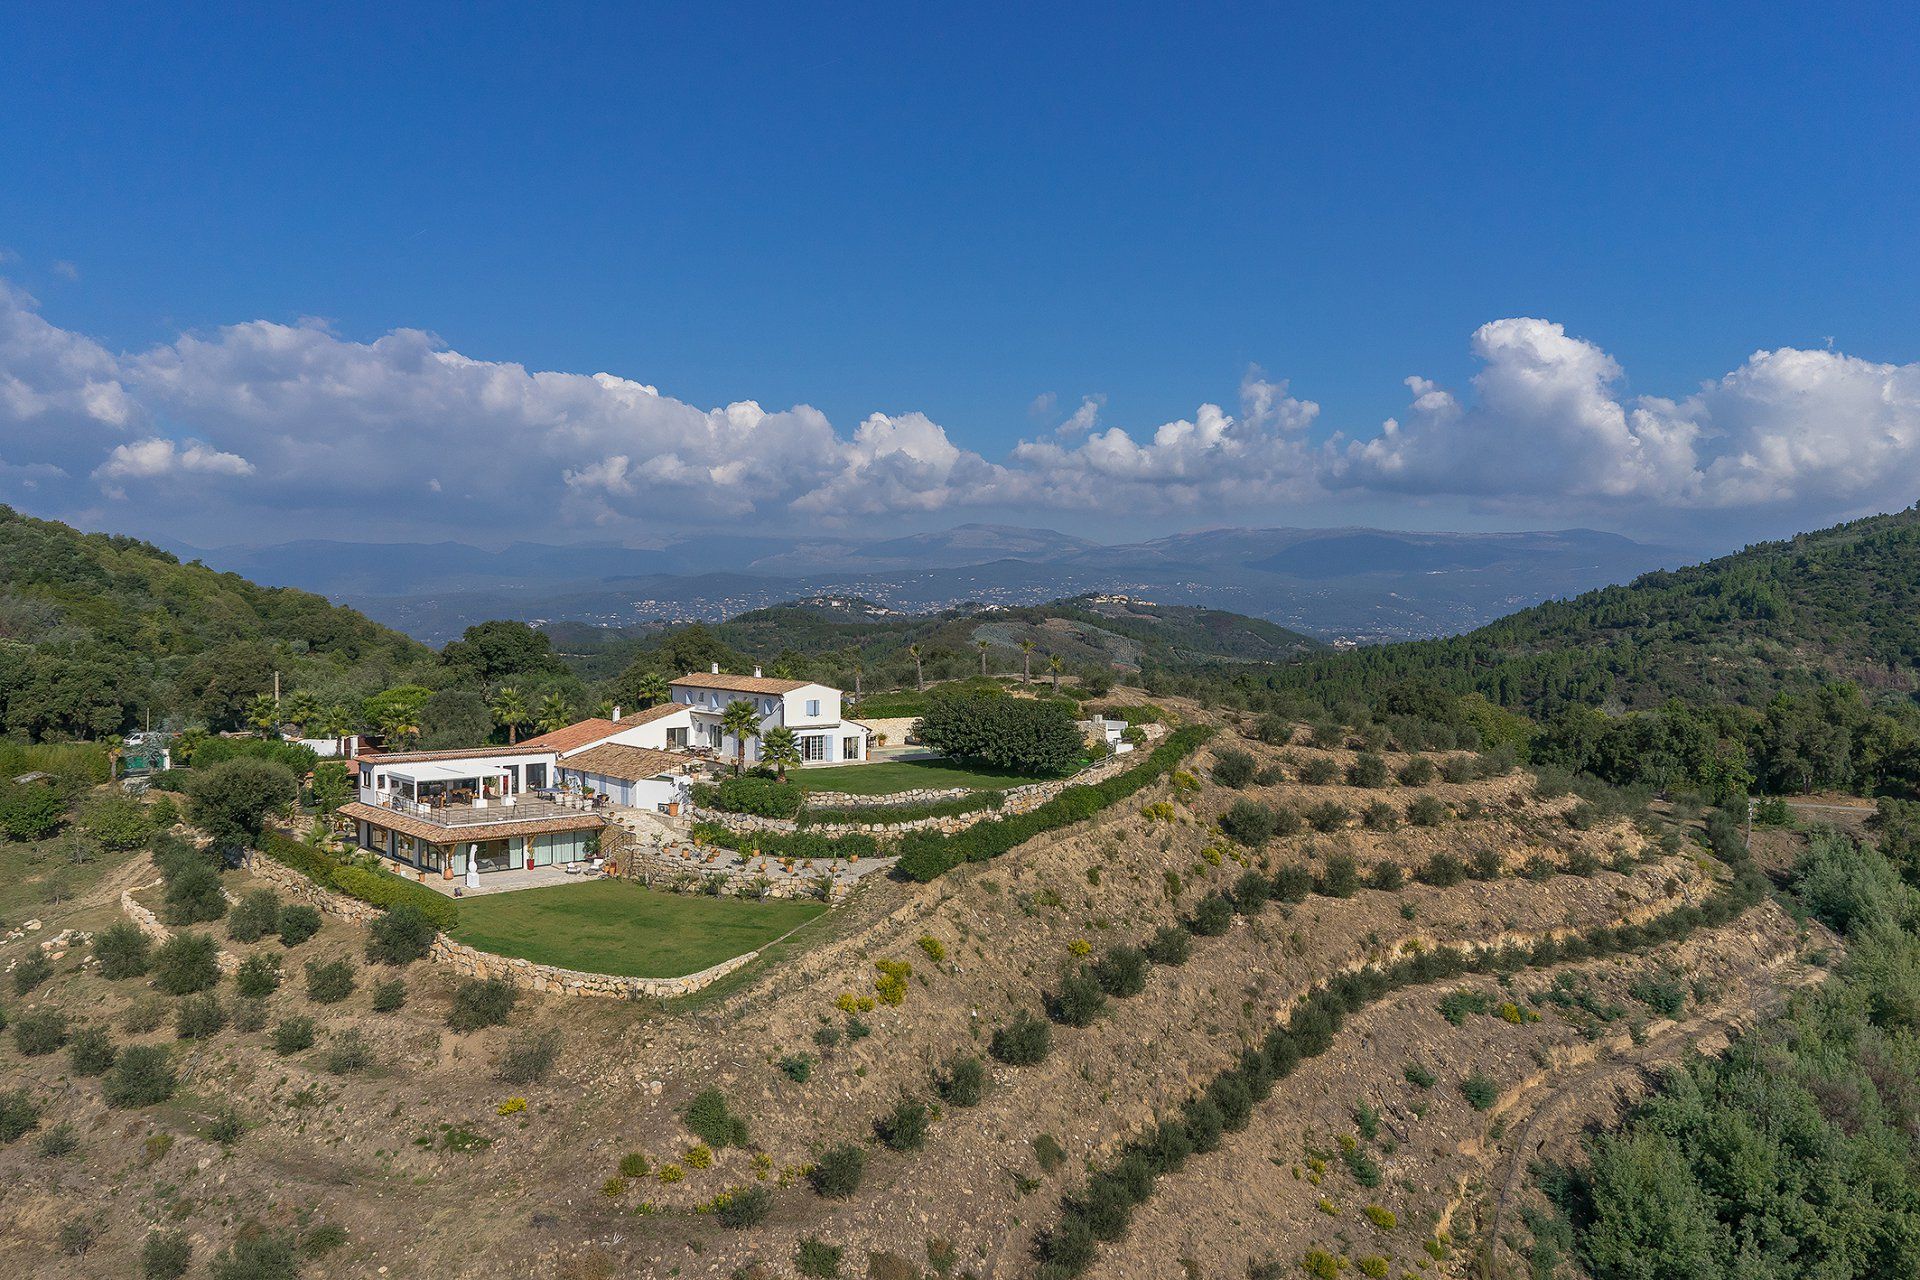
(1364, 1023)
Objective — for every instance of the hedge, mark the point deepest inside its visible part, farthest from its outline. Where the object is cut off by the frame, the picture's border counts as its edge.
(779, 844)
(380, 888)
(925, 855)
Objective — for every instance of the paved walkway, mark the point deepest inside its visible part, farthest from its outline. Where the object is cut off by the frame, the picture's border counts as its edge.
(509, 881)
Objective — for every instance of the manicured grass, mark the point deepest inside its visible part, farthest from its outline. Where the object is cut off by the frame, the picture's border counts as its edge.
(903, 775)
(613, 926)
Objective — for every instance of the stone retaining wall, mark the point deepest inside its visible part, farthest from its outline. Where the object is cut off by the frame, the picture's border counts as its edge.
(529, 976)
(301, 886)
(148, 923)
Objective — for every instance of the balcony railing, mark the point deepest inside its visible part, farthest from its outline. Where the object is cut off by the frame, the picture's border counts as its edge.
(524, 808)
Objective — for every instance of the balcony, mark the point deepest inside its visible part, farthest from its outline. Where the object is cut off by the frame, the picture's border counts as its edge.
(524, 808)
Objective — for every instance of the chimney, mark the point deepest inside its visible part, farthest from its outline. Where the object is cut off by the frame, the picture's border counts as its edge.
(756, 673)
(616, 713)
(716, 668)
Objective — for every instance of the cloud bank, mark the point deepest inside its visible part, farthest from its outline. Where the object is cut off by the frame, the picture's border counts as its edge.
(315, 432)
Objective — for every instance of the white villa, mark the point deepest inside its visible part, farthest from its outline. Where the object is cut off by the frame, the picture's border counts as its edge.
(812, 711)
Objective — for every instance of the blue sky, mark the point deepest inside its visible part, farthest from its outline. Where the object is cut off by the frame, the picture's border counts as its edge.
(967, 220)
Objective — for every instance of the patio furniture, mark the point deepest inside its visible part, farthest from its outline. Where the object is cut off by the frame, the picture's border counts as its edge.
(573, 868)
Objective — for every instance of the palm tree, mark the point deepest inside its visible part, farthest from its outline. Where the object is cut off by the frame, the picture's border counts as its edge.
(981, 645)
(743, 722)
(263, 714)
(649, 689)
(300, 709)
(1053, 665)
(1026, 661)
(510, 712)
(554, 713)
(399, 727)
(919, 668)
(336, 721)
(780, 748)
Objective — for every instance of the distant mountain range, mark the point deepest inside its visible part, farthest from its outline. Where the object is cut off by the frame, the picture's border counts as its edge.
(1334, 584)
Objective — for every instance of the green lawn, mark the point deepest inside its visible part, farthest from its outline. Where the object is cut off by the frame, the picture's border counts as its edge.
(904, 775)
(613, 926)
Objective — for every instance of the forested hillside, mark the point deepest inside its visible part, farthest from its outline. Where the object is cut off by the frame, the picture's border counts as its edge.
(97, 630)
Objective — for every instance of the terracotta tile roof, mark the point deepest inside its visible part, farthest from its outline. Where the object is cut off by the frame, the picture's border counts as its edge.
(463, 753)
(739, 684)
(588, 732)
(435, 833)
(629, 764)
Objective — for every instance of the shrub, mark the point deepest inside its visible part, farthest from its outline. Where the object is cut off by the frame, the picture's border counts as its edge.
(193, 894)
(1380, 816)
(481, 1002)
(1212, 916)
(144, 1014)
(837, 1174)
(330, 981)
(1249, 822)
(963, 1083)
(390, 995)
(1022, 1042)
(226, 1127)
(30, 971)
(254, 916)
(199, 1016)
(711, 1120)
(1318, 771)
(258, 976)
(529, 1056)
(1417, 772)
(1480, 1091)
(19, 1115)
(1171, 945)
(298, 922)
(1341, 877)
(1328, 815)
(1367, 770)
(1078, 1001)
(40, 1032)
(1250, 893)
(905, 1127)
(634, 1165)
(59, 1141)
(186, 963)
(249, 1014)
(1292, 884)
(141, 1077)
(1026, 735)
(400, 935)
(1387, 875)
(384, 889)
(1232, 767)
(347, 1054)
(77, 1235)
(817, 1258)
(1122, 972)
(91, 1051)
(1442, 870)
(165, 1255)
(260, 1255)
(1427, 811)
(747, 1207)
(292, 1035)
(122, 951)
(762, 797)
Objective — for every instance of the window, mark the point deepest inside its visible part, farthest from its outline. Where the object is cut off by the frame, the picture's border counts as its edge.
(850, 748)
(676, 739)
(813, 746)
(813, 706)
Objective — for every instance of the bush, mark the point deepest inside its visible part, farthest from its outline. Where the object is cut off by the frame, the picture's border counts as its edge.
(268, 1255)
(40, 1032)
(528, 1057)
(91, 1051)
(249, 1014)
(186, 963)
(1427, 811)
(1341, 877)
(254, 916)
(389, 996)
(19, 1115)
(1442, 870)
(329, 982)
(1079, 1000)
(837, 1174)
(226, 1127)
(193, 894)
(762, 797)
(1232, 767)
(1367, 770)
(481, 1003)
(1292, 884)
(1212, 916)
(347, 1054)
(122, 951)
(1417, 772)
(1022, 1042)
(1328, 815)
(1248, 822)
(1387, 875)
(709, 1118)
(1171, 945)
(199, 1016)
(298, 922)
(77, 1235)
(1025, 735)
(817, 1258)
(747, 1207)
(963, 1083)
(1380, 816)
(1122, 972)
(384, 889)
(400, 935)
(30, 971)
(142, 1077)
(905, 1127)
(1318, 771)
(1250, 893)
(292, 1035)
(258, 976)
(1480, 1091)
(166, 1255)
